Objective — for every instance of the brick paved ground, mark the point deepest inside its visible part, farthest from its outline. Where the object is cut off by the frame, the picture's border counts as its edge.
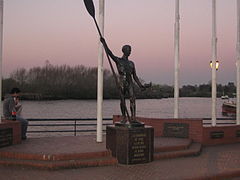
(214, 161)
(76, 144)
(64, 144)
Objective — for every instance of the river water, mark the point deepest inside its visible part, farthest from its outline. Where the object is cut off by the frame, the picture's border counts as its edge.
(156, 108)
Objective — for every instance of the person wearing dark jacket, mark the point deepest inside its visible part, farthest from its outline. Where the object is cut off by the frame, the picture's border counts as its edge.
(10, 108)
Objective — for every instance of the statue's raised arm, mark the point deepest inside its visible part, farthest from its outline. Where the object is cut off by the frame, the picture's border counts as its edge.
(108, 51)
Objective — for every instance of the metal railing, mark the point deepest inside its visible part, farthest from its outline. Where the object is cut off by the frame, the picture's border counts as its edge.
(81, 122)
(74, 123)
(220, 121)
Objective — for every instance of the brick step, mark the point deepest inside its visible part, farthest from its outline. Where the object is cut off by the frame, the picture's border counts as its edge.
(53, 157)
(61, 164)
(166, 144)
(174, 146)
(193, 150)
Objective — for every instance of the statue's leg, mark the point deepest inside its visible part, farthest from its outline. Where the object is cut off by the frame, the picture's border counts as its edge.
(132, 103)
(123, 106)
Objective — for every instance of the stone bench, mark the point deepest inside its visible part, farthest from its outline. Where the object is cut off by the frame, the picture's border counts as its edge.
(10, 133)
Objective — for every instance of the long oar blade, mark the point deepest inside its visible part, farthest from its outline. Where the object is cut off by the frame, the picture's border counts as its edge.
(90, 7)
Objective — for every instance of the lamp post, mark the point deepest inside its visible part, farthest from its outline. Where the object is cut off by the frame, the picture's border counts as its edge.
(1, 54)
(176, 57)
(238, 63)
(214, 57)
(100, 75)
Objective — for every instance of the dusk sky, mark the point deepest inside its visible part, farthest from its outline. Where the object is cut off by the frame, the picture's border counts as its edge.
(62, 32)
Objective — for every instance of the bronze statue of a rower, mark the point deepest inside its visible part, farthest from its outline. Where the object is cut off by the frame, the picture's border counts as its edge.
(126, 70)
(127, 73)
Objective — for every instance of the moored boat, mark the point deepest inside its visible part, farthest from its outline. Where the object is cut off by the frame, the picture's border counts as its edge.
(224, 97)
(229, 108)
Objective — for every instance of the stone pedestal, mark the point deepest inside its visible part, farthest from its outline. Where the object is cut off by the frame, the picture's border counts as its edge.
(10, 133)
(131, 145)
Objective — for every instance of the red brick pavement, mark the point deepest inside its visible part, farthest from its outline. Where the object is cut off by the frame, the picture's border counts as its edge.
(57, 145)
(215, 162)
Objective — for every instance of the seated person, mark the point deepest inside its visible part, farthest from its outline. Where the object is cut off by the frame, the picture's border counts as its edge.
(12, 110)
(18, 107)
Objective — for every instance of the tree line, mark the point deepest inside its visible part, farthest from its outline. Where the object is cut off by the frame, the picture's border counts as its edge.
(204, 90)
(52, 82)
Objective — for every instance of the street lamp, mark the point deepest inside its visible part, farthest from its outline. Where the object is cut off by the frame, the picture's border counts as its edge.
(217, 64)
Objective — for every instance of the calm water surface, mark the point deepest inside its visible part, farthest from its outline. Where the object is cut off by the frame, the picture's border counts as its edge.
(157, 108)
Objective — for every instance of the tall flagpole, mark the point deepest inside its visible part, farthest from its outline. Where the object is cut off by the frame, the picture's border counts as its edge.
(214, 57)
(176, 58)
(238, 62)
(100, 75)
(1, 52)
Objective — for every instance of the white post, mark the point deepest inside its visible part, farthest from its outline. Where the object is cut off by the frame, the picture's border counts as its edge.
(1, 53)
(214, 57)
(176, 58)
(100, 75)
(238, 63)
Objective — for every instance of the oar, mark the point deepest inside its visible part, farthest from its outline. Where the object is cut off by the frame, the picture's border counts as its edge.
(91, 10)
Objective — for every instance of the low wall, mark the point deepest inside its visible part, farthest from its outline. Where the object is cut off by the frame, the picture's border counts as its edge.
(196, 131)
(16, 130)
(194, 126)
(221, 135)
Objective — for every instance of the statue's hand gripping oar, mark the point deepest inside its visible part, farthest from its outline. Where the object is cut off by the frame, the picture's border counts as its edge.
(91, 10)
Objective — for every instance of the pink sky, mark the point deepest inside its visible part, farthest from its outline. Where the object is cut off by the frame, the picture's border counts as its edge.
(62, 32)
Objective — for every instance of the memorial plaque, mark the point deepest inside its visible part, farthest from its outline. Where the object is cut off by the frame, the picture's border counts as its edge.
(217, 134)
(6, 137)
(238, 133)
(179, 130)
(138, 151)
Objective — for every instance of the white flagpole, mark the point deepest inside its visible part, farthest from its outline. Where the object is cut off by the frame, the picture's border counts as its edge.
(100, 75)
(238, 63)
(176, 57)
(1, 52)
(214, 57)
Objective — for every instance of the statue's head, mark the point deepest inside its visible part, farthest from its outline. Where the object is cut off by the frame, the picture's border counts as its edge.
(126, 49)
